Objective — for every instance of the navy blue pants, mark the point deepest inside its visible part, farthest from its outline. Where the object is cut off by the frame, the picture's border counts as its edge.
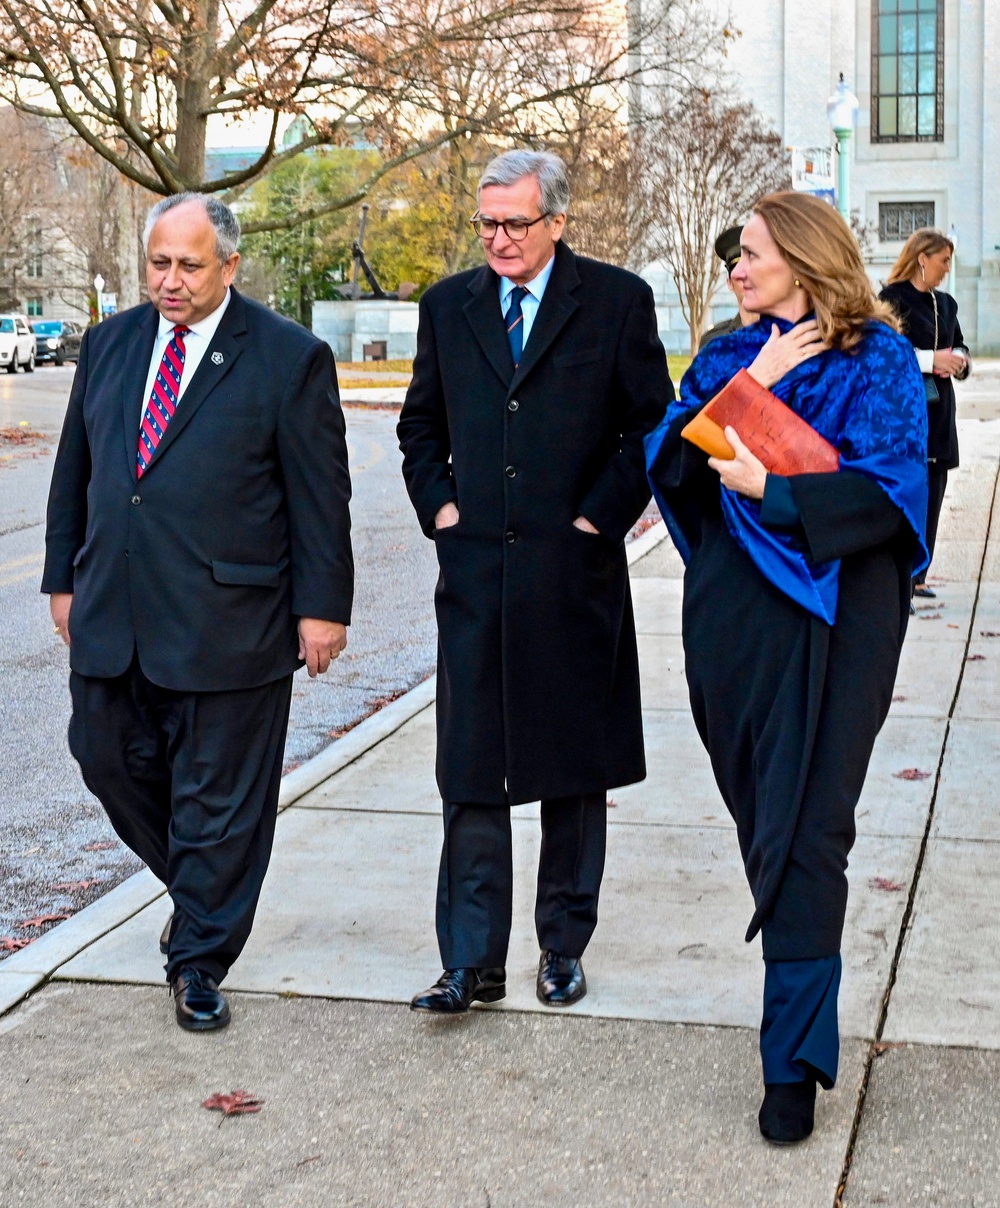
(799, 1035)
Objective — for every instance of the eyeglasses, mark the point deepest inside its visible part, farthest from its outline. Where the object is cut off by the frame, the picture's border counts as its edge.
(514, 228)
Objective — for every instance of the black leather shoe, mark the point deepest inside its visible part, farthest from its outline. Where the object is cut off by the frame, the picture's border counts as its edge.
(786, 1115)
(165, 936)
(924, 592)
(201, 1005)
(456, 990)
(561, 981)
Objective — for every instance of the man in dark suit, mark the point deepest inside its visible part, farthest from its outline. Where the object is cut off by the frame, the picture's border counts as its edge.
(198, 551)
(536, 378)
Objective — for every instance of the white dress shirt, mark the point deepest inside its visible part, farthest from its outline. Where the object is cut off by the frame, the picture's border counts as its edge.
(530, 301)
(196, 344)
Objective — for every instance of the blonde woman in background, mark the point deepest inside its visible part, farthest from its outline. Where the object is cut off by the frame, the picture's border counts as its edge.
(929, 319)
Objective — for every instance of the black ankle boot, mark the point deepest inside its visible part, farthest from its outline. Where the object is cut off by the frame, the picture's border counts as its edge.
(786, 1115)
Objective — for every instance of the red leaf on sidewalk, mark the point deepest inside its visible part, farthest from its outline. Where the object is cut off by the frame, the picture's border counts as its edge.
(42, 919)
(101, 845)
(899, 698)
(975, 658)
(236, 1103)
(886, 884)
(73, 886)
(9, 944)
(911, 774)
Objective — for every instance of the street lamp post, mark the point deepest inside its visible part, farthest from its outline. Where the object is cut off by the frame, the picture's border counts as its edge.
(842, 109)
(99, 291)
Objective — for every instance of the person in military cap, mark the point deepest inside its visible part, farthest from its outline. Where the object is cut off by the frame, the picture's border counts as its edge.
(727, 248)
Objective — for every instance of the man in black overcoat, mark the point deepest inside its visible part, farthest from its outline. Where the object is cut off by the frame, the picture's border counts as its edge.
(535, 380)
(198, 551)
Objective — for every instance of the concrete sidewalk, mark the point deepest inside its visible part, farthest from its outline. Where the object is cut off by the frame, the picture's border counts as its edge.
(644, 1094)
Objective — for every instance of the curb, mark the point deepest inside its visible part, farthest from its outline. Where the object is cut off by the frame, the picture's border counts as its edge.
(23, 972)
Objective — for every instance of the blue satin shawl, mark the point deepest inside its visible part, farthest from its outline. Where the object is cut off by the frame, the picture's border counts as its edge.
(868, 403)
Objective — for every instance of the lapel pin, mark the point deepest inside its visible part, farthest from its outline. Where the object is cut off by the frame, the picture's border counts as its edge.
(217, 358)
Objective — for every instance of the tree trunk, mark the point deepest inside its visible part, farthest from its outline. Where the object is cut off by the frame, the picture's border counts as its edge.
(128, 245)
(193, 95)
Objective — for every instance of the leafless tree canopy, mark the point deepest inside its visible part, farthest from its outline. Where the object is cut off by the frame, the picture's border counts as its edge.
(704, 164)
(138, 80)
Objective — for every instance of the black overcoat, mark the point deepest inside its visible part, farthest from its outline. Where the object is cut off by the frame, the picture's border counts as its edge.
(538, 676)
(915, 309)
(240, 524)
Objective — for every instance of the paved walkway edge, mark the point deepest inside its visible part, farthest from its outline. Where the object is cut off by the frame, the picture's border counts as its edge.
(23, 972)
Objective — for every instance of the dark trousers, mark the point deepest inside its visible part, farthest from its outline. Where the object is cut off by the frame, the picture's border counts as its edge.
(799, 1033)
(475, 882)
(937, 482)
(190, 782)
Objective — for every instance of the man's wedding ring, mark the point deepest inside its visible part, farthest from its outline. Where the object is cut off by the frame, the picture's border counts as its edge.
(57, 630)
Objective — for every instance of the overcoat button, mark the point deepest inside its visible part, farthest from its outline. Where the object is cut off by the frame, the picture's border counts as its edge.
(137, 499)
(509, 537)
(510, 471)
(513, 405)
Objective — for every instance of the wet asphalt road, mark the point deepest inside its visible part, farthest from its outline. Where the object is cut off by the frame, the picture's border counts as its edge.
(57, 851)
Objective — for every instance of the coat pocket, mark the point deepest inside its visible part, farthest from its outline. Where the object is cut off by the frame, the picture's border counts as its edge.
(245, 574)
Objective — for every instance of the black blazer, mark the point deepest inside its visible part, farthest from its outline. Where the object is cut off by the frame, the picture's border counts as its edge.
(239, 526)
(538, 685)
(915, 309)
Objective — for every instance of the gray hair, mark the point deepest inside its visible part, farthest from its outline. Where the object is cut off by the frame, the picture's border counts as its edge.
(227, 225)
(545, 166)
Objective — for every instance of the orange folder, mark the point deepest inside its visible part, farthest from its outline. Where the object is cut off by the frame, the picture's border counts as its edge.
(782, 440)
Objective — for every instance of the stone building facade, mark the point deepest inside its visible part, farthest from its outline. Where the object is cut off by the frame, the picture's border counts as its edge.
(924, 147)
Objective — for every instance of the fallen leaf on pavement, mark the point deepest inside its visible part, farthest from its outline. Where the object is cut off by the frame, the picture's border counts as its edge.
(899, 698)
(975, 658)
(101, 845)
(886, 884)
(883, 1046)
(73, 886)
(989, 633)
(9, 944)
(42, 919)
(236, 1103)
(612, 803)
(911, 774)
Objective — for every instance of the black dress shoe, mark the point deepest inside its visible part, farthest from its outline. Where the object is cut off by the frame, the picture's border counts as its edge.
(165, 936)
(924, 592)
(456, 990)
(561, 981)
(786, 1115)
(201, 1005)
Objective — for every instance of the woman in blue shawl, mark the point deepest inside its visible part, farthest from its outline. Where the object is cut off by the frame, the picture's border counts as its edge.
(796, 599)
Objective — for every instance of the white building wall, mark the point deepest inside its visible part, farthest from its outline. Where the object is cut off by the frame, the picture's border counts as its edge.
(787, 62)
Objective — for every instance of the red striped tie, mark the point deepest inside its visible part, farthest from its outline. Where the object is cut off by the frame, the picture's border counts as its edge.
(163, 400)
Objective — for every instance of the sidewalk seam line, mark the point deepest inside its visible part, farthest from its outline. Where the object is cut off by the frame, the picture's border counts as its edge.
(908, 910)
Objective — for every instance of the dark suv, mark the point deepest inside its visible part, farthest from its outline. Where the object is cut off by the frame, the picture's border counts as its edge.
(58, 340)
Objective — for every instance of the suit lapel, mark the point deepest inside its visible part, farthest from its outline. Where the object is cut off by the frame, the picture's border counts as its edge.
(486, 319)
(220, 356)
(556, 307)
(137, 355)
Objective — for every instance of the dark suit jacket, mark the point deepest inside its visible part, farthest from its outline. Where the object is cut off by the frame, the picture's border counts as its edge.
(538, 688)
(239, 526)
(915, 308)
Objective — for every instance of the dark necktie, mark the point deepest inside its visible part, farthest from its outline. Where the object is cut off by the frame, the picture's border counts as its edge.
(163, 399)
(515, 324)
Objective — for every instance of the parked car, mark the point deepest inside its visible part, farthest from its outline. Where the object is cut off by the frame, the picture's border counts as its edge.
(58, 340)
(17, 344)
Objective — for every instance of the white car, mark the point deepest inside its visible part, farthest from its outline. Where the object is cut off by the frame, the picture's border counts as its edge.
(17, 344)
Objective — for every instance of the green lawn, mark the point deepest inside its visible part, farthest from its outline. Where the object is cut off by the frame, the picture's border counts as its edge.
(677, 367)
